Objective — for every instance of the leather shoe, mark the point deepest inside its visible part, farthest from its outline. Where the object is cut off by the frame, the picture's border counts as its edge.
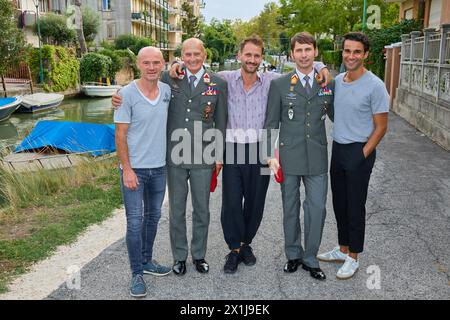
(292, 265)
(316, 273)
(179, 268)
(201, 265)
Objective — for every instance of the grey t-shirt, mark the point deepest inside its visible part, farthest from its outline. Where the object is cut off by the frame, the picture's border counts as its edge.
(146, 136)
(355, 103)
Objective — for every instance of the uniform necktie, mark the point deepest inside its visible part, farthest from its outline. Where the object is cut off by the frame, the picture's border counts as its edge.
(192, 83)
(307, 86)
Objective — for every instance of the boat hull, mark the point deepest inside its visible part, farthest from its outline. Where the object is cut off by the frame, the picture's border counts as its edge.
(99, 91)
(7, 109)
(33, 106)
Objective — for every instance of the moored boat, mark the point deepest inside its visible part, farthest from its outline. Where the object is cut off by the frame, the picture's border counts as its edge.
(60, 144)
(40, 101)
(96, 89)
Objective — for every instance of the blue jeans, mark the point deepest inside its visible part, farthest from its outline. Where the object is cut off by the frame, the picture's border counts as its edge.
(143, 210)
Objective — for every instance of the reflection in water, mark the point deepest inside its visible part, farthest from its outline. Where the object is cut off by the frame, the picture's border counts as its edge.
(76, 110)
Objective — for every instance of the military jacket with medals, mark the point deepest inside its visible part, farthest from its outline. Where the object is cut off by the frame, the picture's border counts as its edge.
(204, 108)
(300, 119)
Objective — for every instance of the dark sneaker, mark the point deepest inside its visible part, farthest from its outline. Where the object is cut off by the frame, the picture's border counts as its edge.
(233, 260)
(156, 269)
(247, 255)
(138, 288)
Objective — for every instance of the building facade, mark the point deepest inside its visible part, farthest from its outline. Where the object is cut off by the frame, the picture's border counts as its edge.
(159, 20)
(433, 13)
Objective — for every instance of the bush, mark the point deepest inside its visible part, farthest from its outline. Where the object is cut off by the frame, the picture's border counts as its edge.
(94, 66)
(91, 23)
(379, 38)
(54, 30)
(60, 67)
(325, 45)
(125, 41)
(332, 57)
(129, 58)
(105, 44)
(134, 43)
(116, 64)
(141, 43)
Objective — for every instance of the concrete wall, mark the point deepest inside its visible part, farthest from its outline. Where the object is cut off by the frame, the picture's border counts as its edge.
(424, 114)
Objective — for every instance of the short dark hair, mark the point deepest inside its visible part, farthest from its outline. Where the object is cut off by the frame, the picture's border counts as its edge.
(303, 38)
(359, 37)
(254, 39)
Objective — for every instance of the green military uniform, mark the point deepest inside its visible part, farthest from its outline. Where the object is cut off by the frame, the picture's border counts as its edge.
(303, 156)
(190, 115)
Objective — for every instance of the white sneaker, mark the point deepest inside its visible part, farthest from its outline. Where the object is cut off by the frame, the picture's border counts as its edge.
(335, 255)
(348, 269)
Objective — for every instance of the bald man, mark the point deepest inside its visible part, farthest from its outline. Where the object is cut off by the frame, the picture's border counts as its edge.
(196, 127)
(141, 124)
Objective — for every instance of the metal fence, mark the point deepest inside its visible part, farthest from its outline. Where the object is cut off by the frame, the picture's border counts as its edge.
(425, 63)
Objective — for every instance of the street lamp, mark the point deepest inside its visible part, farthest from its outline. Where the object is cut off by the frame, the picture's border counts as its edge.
(41, 68)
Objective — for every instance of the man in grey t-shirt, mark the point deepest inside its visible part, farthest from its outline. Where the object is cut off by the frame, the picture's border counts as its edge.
(361, 107)
(141, 147)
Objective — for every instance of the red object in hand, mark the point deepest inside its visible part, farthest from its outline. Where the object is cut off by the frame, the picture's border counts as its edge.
(213, 184)
(279, 177)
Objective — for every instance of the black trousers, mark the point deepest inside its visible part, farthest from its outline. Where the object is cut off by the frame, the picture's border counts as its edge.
(244, 194)
(350, 174)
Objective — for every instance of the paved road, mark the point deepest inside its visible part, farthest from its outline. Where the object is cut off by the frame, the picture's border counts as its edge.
(408, 238)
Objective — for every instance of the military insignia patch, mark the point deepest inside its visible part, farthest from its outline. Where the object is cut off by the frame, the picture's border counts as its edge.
(207, 111)
(291, 113)
(325, 92)
(210, 91)
(206, 78)
(291, 96)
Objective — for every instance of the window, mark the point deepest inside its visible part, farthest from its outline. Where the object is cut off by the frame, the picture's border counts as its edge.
(56, 6)
(44, 5)
(409, 14)
(106, 5)
(435, 14)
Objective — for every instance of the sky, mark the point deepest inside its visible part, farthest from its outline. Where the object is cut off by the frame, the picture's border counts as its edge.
(233, 9)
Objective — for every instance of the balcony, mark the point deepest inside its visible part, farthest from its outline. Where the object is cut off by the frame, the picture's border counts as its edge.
(177, 28)
(137, 16)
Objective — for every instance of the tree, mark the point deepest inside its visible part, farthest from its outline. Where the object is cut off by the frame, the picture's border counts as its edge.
(266, 25)
(220, 36)
(12, 44)
(91, 23)
(132, 42)
(190, 22)
(54, 30)
(336, 16)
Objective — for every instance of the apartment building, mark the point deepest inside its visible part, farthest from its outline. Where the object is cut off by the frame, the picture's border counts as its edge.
(159, 20)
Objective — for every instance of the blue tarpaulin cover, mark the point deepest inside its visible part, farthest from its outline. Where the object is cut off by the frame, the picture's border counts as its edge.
(71, 137)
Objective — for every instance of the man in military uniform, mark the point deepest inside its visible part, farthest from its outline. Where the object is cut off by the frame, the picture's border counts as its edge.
(198, 104)
(299, 105)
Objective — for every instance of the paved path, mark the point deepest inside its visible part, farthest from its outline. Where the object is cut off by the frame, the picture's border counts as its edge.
(408, 238)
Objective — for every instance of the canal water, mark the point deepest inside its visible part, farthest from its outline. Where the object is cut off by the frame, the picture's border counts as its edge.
(92, 110)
